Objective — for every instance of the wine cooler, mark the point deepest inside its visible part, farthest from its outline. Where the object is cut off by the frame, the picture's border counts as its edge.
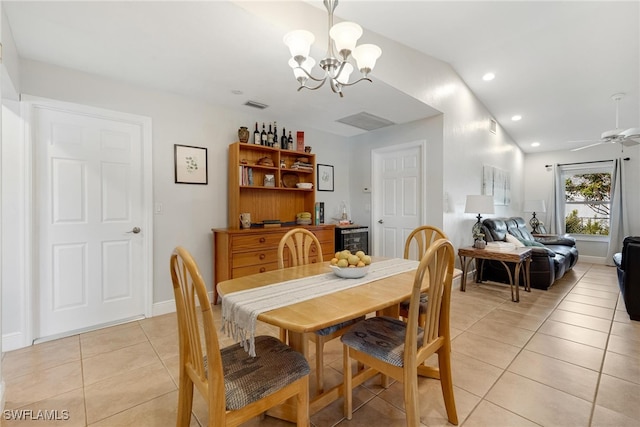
(352, 237)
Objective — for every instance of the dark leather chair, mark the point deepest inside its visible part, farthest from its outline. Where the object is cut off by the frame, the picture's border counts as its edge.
(552, 256)
(628, 263)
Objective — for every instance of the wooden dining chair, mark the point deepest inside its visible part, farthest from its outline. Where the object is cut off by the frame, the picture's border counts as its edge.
(297, 242)
(415, 247)
(236, 386)
(399, 349)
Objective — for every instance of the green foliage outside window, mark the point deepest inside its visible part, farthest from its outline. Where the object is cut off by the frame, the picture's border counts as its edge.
(592, 190)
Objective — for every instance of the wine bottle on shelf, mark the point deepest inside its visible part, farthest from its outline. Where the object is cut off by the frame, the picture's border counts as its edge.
(270, 136)
(284, 142)
(290, 141)
(263, 136)
(256, 135)
(276, 143)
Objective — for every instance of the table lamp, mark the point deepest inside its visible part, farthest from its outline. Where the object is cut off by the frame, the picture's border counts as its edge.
(534, 206)
(480, 205)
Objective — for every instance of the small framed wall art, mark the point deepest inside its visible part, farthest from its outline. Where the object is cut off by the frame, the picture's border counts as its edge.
(325, 177)
(190, 164)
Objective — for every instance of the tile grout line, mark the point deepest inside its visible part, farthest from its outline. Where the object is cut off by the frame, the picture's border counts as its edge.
(483, 398)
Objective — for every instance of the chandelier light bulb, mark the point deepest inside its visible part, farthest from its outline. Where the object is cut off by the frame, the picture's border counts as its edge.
(343, 77)
(366, 56)
(345, 35)
(299, 43)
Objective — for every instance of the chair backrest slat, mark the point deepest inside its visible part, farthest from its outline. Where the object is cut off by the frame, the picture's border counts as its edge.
(194, 315)
(298, 242)
(434, 276)
(420, 239)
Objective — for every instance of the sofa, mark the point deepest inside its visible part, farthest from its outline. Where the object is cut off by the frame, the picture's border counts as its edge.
(552, 255)
(628, 264)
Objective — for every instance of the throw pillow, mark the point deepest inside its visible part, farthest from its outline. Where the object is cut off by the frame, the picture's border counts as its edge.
(527, 242)
(513, 239)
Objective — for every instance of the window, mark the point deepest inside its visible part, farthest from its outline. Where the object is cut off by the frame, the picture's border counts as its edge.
(587, 200)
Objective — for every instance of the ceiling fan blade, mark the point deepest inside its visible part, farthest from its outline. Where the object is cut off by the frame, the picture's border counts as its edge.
(584, 140)
(587, 146)
(630, 142)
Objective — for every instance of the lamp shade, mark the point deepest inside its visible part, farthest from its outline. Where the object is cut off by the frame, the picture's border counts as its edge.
(307, 65)
(534, 206)
(299, 42)
(366, 56)
(479, 205)
(345, 35)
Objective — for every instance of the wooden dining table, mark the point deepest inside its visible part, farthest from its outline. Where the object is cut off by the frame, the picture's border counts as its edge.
(381, 296)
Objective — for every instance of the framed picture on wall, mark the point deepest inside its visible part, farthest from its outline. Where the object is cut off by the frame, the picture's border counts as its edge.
(190, 164)
(325, 177)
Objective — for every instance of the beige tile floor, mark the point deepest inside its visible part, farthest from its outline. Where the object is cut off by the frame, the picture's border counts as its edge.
(569, 356)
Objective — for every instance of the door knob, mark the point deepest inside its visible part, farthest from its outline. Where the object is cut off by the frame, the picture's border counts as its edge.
(135, 230)
(380, 221)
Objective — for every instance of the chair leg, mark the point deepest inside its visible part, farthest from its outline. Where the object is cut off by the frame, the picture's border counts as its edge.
(446, 382)
(411, 400)
(319, 364)
(302, 404)
(185, 401)
(348, 392)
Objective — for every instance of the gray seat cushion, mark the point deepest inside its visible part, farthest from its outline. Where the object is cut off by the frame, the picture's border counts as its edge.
(424, 298)
(247, 379)
(382, 337)
(331, 329)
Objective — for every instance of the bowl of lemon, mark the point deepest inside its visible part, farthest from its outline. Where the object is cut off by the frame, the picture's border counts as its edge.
(350, 266)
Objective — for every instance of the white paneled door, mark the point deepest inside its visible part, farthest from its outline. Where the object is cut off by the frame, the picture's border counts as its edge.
(89, 193)
(397, 200)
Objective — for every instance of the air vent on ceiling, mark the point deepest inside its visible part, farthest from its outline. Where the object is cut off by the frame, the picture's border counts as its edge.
(365, 121)
(493, 126)
(256, 104)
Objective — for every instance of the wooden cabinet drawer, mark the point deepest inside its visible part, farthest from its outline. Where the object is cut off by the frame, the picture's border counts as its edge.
(259, 256)
(254, 269)
(255, 242)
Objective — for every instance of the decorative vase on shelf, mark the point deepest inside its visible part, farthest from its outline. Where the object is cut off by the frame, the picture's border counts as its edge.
(243, 134)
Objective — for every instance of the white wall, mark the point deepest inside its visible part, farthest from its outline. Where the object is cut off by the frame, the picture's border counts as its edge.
(538, 183)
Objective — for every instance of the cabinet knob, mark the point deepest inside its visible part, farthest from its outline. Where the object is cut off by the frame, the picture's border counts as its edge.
(263, 269)
(262, 240)
(261, 256)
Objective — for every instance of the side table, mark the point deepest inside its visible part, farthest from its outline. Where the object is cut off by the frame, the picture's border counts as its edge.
(519, 256)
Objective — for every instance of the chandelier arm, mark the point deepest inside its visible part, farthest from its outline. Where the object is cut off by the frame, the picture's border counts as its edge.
(304, 86)
(309, 75)
(357, 81)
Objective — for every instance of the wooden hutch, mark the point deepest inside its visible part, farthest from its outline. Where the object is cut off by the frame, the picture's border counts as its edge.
(267, 190)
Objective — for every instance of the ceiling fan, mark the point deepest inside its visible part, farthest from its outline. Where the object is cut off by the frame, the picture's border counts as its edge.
(626, 137)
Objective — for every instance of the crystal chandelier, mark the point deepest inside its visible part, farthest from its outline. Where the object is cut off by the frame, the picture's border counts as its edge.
(337, 68)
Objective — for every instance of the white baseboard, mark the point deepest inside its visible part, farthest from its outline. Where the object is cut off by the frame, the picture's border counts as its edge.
(169, 306)
(164, 307)
(592, 259)
(13, 341)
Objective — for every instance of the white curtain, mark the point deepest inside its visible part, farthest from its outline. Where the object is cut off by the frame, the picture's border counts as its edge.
(618, 224)
(556, 204)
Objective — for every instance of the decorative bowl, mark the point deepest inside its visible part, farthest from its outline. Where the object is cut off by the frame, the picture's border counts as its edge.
(305, 185)
(350, 272)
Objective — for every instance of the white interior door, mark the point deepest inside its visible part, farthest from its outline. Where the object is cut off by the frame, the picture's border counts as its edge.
(89, 192)
(397, 196)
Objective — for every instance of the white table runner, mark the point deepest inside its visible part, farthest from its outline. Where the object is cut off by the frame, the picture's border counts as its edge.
(240, 309)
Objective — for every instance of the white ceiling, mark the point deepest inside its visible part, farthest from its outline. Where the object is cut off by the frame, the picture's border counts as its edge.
(556, 63)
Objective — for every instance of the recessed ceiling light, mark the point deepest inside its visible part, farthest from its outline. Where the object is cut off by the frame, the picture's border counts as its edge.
(535, 144)
(488, 77)
(237, 92)
(516, 117)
